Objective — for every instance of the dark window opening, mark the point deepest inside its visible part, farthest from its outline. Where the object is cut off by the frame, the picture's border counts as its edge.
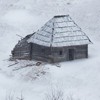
(43, 50)
(71, 54)
(60, 53)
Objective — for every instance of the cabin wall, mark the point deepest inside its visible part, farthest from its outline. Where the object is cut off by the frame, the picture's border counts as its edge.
(30, 51)
(41, 53)
(81, 52)
(22, 51)
(58, 54)
(62, 54)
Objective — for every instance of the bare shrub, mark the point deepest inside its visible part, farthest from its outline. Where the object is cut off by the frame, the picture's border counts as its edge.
(11, 96)
(21, 97)
(55, 95)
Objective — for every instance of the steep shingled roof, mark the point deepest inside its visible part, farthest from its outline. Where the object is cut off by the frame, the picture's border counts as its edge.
(60, 31)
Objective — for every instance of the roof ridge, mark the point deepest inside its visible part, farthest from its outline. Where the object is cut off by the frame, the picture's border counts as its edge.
(58, 16)
(52, 34)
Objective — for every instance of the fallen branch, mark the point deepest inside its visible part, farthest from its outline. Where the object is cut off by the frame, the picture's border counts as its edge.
(29, 65)
(13, 64)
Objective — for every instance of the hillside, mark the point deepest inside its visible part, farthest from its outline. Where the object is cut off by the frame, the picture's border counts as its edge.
(79, 78)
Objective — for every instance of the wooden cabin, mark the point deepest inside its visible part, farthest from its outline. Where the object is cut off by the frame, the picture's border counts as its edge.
(60, 39)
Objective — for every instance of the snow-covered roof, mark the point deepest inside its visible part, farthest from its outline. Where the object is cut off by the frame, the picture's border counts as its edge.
(60, 31)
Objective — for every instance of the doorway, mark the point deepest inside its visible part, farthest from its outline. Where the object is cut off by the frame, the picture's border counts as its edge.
(71, 54)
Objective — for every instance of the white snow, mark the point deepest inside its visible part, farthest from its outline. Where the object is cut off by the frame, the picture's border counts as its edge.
(80, 78)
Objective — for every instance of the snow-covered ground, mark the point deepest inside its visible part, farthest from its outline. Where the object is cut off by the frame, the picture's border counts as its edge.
(79, 78)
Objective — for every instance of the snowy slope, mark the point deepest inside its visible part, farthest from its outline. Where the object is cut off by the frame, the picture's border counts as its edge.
(80, 78)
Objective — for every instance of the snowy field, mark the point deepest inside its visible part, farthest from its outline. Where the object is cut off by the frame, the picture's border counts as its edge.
(79, 78)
